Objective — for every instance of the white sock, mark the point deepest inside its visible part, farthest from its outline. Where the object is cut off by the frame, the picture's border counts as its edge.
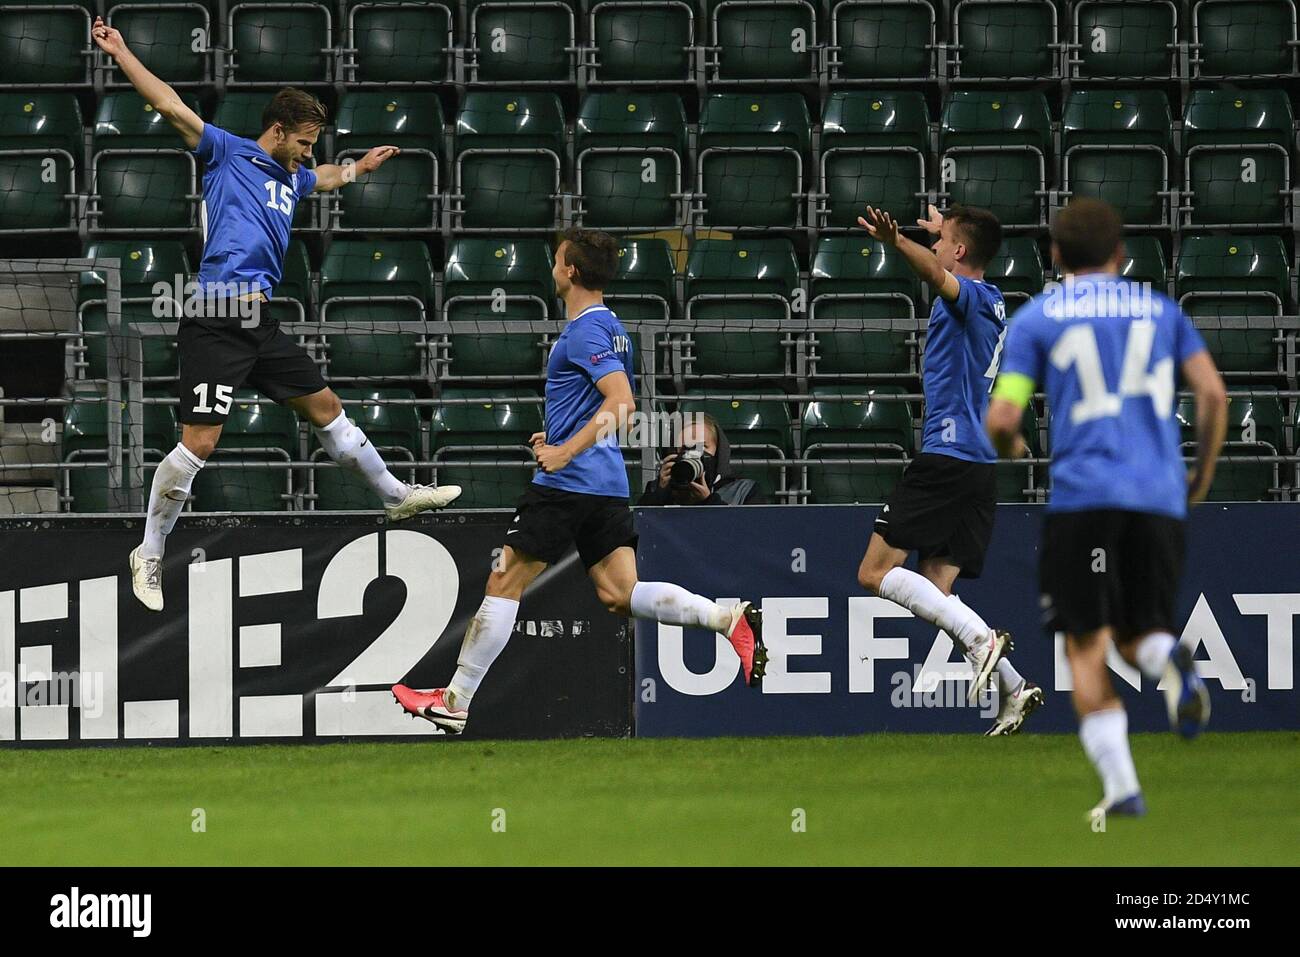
(485, 638)
(348, 445)
(674, 605)
(1105, 740)
(1153, 653)
(923, 598)
(1009, 679)
(171, 487)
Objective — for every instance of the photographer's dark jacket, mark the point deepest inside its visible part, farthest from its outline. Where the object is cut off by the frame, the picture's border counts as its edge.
(726, 489)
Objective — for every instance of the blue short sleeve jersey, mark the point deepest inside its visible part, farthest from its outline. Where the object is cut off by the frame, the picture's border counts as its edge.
(1107, 353)
(592, 345)
(961, 351)
(248, 204)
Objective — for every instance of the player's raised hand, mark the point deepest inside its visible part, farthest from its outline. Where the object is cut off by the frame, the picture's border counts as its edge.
(880, 225)
(107, 39)
(376, 158)
(934, 224)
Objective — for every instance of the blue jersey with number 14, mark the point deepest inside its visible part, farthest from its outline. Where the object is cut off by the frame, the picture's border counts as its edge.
(1108, 355)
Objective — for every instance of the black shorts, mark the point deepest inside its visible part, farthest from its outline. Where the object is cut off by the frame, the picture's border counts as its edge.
(943, 508)
(220, 354)
(548, 521)
(1110, 567)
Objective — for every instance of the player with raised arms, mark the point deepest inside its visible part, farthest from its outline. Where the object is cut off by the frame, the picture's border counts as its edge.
(943, 508)
(250, 191)
(579, 496)
(1107, 352)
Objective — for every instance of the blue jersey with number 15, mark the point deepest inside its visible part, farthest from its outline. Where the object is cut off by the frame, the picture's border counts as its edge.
(1107, 354)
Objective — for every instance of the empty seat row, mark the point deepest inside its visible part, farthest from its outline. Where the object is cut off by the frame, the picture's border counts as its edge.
(842, 445)
(666, 41)
(752, 164)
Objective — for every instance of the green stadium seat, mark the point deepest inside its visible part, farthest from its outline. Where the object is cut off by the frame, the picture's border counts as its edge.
(871, 439)
(395, 432)
(402, 195)
(85, 439)
(752, 151)
(46, 43)
(1144, 261)
(1115, 147)
(758, 431)
(1116, 39)
(142, 264)
(873, 42)
(164, 34)
(754, 41)
(490, 281)
(737, 282)
(291, 301)
(854, 281)
(466, 439)
(642, 41)
(143, 180)
(1234, 288)
(40, 133)
(279, 44)
(521, 41)
(1016, 481)
(1017, 270)
(508, 164)
(645, 287)
(363, 281)
(1237, 148)
(1255, 429)
(240, 112)
(995, 147)
(1243, 38)
(630, 149)
(257, 431)
(389, 41)
(1005, 39)
(874, 146)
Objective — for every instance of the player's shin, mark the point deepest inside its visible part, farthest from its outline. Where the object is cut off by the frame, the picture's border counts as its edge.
(923, 598)
(348, 446)
(485, 639)
(1105, 740)
(171, 487)
(674, 605)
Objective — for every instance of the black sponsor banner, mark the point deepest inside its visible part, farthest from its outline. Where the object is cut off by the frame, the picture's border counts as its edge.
(288, 628)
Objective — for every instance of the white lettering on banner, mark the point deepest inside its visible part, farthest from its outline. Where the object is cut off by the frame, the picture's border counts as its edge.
(212, 649)
(782, 646)
(864, 647)
(672, 661)
(97, 612)
(940, 667)
(1280, 610)
(1202, 630)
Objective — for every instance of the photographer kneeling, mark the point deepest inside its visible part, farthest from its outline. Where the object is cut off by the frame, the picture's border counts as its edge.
(696, 474)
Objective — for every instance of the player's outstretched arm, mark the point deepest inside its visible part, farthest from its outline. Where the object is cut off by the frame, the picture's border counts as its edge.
(155, 92)
(618, 404)
(331, 176)
(1211, 421)
(883, 227)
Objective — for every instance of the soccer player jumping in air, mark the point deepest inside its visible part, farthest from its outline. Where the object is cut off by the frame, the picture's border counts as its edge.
(1107, 352)
(250, 191)
(943, 507)
(579, 496)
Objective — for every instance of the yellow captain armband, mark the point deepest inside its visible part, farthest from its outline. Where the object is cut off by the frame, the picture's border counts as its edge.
(1014, 387)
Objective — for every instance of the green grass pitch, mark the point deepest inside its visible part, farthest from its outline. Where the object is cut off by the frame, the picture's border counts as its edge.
(876, 799)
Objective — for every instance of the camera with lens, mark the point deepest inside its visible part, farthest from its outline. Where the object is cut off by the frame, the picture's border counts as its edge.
(688, 469)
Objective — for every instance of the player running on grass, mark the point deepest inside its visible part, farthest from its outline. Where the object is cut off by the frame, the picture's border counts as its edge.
(1107, 352)
(943, 507)
(579, 496)
(250, 191)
